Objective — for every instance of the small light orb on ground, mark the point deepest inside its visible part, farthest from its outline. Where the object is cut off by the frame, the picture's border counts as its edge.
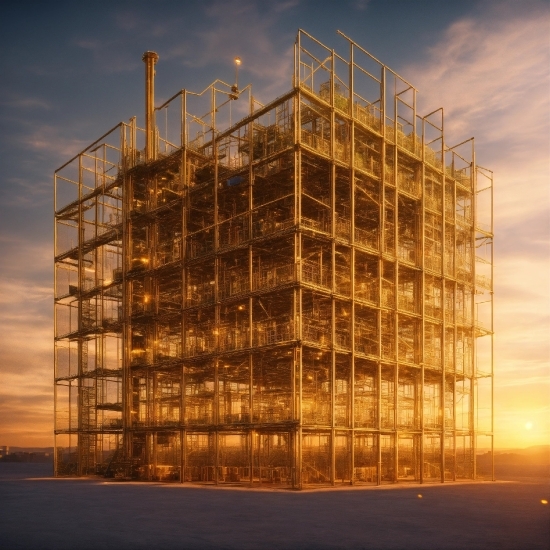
(544, 501)
(528, 425)
(419, 496)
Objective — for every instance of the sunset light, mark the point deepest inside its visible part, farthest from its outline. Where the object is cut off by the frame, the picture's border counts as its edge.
(275, 274)
(454, 58)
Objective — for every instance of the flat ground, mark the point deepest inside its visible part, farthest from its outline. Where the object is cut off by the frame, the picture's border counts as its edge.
(42, 513)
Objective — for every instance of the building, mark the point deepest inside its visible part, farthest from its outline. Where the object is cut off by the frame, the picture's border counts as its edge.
(303, 297)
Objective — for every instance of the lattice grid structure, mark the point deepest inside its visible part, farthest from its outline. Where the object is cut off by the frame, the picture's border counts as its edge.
(301, 298)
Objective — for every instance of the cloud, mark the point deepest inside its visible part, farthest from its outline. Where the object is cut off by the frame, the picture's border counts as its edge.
(110, 55)
(49, 139)
(21, 192)
(26, 297)
(491, 74)
(360, 5)
(27, 103)
(250, 33)
(26, 354)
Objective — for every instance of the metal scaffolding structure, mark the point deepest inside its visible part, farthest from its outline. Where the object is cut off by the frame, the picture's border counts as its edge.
(301, 298)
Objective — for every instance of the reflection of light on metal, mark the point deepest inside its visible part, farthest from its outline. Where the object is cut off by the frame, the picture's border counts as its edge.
(235, 88)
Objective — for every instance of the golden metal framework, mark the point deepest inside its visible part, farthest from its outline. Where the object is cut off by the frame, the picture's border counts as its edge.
(303, 297)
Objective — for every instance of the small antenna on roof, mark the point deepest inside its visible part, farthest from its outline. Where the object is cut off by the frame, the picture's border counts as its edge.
(235, 87)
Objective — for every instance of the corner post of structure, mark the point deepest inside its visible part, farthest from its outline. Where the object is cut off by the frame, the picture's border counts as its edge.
(183, 256)
(217, 421)
(473, 382)
(298, 301)
(395, 305)
(444, 314)
(423, 271)
(55, 364)
(492, 338)
(351, 398)
(332, 271)
(381, 245)
(252, 431)
(80, 340)
(126, 327)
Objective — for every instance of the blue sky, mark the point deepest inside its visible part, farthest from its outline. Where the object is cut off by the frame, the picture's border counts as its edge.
(70, 71)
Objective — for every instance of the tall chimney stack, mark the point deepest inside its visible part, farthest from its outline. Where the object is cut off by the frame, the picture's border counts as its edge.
(150, 59)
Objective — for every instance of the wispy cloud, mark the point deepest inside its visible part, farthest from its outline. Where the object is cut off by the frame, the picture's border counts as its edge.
(27, 103)
(23, 193)
(250, 33)
(361, 5)
(50, 139)
(491, 74)
(110, 55)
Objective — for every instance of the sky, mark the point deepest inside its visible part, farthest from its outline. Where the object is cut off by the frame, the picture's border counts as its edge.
(73, 70)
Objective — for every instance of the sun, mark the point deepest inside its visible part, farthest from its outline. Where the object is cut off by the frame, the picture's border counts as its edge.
(528, 425)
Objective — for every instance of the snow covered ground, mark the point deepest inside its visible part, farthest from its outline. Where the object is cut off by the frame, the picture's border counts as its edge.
(44, 513)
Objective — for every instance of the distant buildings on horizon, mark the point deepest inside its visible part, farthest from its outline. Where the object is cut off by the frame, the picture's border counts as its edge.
(22, 454)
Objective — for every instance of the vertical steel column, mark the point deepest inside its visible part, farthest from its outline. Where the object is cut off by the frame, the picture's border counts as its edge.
(98, 306)
(473, 381)
(381, 245)
(80, 325)
(251, 302)
(216, 421)
(216, 289)
(492, 338)
(127, 192)
(444, 309)
(55, 362)
(455, 287)
(423, 279)
(395, 297)
(183, 256)
(332, 271)
(298, 262)
(351, 396)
